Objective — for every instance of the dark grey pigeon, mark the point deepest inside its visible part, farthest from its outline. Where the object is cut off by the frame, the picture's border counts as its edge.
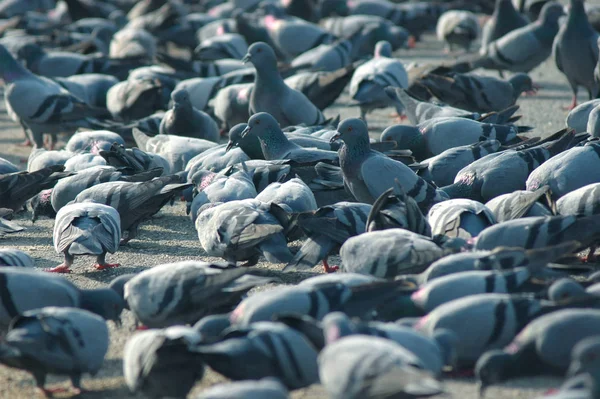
(162, 363)
(368, 173)
(275, 349)
(6, 226)
(228, 45)
(543, 347)
(520, 203)
(50, 340)
(134, 160)
(272, 95)
(41, 205)
(459, 218)
(217, 159)
(86, 229)
(325, 57)
(201, 288)
(266, 388)
(576, 51)
(185, 120)
(505, 19)
(15, 257)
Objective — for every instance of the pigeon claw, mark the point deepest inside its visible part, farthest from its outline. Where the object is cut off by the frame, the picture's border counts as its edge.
(49, 392)
(59, 269)
(26, 143)
(105, 266)
(329, 269)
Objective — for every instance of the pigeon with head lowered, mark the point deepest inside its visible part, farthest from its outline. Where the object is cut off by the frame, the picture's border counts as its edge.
(459, 218)
(185, 120)
(294, 193)
(458, 28)
(265, 388)
(520, 203)
(505, 19)
(15, 257)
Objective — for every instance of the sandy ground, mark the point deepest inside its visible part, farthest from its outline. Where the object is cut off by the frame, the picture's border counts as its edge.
(171, 237)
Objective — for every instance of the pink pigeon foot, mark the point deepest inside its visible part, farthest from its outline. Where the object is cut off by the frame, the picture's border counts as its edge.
(105, 266)
(59, 269)
(329, 269)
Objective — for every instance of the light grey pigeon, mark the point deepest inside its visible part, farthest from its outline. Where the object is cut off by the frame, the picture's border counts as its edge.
(54, 109)
(185, 120)
(41, 205)
(217, 159)
(577, 65)
(325, 57)
(593, 123)
(231, 104)
(242, 231)
(458, 28)
(437, 135)
(294, 36)
(523, 49)
(86, 229)
(50, 340)
(294, 193)
(93, 141)
(583, 201)
(275, 145)
(275, 349)
(578, 117)
(135, 99)
(459, 218)
(520, 203)
(200, 90)
(327, 229)
(6, 226)
(584, 358)
(132, 42)
(228, 45)
(505, 19)
(7, 167)
(14, 257)
(271, 94)
(84, 161)
(371, 367)
(371, 78)
(546, 342)
(162, 363)
(40, 158)
(90, 87)
(266, 388)
(368, 173)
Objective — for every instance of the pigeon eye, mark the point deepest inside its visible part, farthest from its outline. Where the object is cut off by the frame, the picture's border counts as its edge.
(257, 123)
(259, 50)
(350, 128)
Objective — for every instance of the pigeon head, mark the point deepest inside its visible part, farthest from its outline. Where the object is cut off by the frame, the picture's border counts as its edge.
(585, 357)
(407, 138)
(235, 136)
(551, 12)
(262, 125)
(399, 37)
(521, 82)
(105, 302)
(352, 131)
(493, 367)
(383, 49)
(41, 205)
(261, 55)
(567, 289)
(335, 326)
(180, 98)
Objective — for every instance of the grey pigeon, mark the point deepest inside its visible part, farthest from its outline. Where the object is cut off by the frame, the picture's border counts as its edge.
(505, 19)
(40, 159)
(218, 158)
(162, 363)
(325, 57)
(132, 42)
(371, 78)
(577, 65)
(546, 343)
(322, 88)
(242, 231)
(266, 388)
(435, 136)
(90, 87)
(84, 161)
(86, 229)
(270, 94)
(583, 201)
(93, 141)
(135, 160)
(294, 193)
(229, 45)
(51, 340)
(135, 99)
(593, 123)
(275, 349)
(519, 203)
(459, 218)
(327, 229)
(578, 117)
(294, 36)
(185, 120)
(368, 173)
(14, 257)
(7, 226)
(7, 167)
(205, 288)
(584, 359)
(231, 104)
(372, 367)
(457, 27)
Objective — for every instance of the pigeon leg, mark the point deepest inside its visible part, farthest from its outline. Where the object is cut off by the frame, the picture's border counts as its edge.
(26, 143)
(573, 104)
(590, 257)
(131, 234)
(329, 269)
(102, 265)
(251, 262)
(76, 382)
(65, 267)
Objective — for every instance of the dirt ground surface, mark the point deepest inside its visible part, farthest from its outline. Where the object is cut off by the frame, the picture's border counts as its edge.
(171, 237)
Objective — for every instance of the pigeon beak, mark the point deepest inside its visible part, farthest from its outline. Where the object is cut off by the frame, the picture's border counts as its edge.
(230, 145)
(246, 131)
(482, 389)
(247, 58)
(334, 138)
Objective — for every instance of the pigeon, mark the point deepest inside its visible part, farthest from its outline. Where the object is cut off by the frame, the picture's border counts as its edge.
(435, 136)
(135, 99)
(163, 363)
(294, 193)
(6, 226)
(578, 66)
(265, 388)
(325, 57)
(231, 104)
(185, 120)
(543, 346)
(593, 123)
(135, 160)
(7, 167)
(327, 229)
(371, 78)
(295, 36)
(242, 231)
(460, 28)
(270, 94)
(52, 340)
(16, 188)
(90, 87)
(578, 117)
(322, 88)
(582, 201)
(518, 204)
(40, 159)
(477, 93)
(135, 202)
(132, 42)
(372, 367)
(525, 48)
(93, 141)
(86, 229)
(15, 257)
(584, 359)
(368, 173)
(505, 19)
(218, 159)
(275, 349)
(229, 45)
(459, 218)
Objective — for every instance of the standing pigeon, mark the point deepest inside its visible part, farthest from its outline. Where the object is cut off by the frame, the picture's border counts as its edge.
(271, 94)
(505, 19)
(371, 78)
(185, 120)
(65, 341)
(576, 51)
(368, 173)
(86, 229)
(460, 28)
